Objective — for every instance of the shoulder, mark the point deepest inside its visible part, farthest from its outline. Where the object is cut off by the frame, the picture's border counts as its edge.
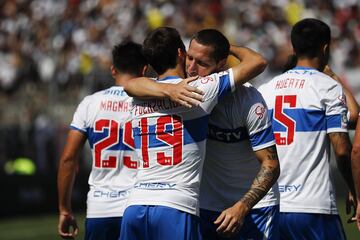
(90, 99)
(267, 84)
(247, 92)
(248, 98)
(326, 86)
(326, 80)
(227, 74)
(215, 76)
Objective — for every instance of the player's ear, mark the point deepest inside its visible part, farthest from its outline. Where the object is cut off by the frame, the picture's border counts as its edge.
(326, 49)
(145, 68)
(113, 71)
(221, 64)
(181, 53)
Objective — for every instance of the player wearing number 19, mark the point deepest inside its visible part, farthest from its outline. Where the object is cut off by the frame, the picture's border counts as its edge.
(101, 119)
(170, 140)
(308, 110)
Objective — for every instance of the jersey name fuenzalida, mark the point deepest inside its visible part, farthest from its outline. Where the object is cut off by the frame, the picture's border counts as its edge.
(306, 105)
(170, 141)
(104, 118)
(238, 126)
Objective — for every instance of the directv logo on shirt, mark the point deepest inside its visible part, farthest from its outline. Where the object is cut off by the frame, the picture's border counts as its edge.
(227, 135)
(290, 188)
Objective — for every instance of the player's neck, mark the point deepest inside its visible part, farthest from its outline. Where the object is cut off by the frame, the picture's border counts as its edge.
(177, 71)
(309, 62)
(120, 80)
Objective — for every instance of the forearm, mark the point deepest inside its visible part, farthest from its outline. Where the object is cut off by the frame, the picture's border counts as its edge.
(66, 178)
(266, 177)
(264, 180)
(346, 172)
(251, 64)
(355, 162)
(145, 88)
(342, 149)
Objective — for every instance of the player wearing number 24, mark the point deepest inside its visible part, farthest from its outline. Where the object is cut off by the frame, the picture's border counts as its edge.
(309, 114)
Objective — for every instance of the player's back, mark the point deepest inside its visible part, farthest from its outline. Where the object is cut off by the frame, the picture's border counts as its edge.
(238, 126)
(102, 117)
(305, 106)
(170, 140)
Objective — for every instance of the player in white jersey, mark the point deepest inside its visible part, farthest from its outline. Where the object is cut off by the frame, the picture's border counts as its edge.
(171, 139)
(309, 111)
(241, 164)
(100, 118)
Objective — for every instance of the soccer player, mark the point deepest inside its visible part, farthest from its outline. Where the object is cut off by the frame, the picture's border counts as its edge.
(309, 113)
(241, 163)
(101, 119)
(170, 140)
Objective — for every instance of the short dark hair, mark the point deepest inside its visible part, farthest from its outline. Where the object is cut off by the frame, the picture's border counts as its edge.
(160, 48)
(128, 57)
(214, 38)
(308, 36)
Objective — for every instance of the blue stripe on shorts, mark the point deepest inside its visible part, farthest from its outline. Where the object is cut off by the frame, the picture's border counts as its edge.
(160, 223)
(102, 228)
(310, 226)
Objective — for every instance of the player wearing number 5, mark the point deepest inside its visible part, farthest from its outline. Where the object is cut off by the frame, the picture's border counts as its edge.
(100, 118)
(309, 110)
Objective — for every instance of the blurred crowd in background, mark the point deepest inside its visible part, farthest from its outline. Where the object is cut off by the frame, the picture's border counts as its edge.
(53, 53)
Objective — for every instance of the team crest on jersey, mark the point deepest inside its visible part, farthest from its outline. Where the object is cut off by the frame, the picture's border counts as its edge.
(206, 79)
(342, 99)
(344, 120)
(260, 110)
(223, 73)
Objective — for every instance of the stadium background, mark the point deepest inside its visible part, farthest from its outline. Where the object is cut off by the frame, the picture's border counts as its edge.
(53, 53)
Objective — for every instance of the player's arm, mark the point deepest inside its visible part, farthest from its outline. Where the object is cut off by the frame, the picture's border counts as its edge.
(355, 163)
(68, 165)
(251, 64)
(231, 219)
(352, 104)
(342, 149)
(181, 92)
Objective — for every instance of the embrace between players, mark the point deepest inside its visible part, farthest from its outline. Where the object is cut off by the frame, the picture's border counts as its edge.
(200, 158)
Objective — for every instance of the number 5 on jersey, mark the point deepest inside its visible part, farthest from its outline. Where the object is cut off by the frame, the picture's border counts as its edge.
(284, 119)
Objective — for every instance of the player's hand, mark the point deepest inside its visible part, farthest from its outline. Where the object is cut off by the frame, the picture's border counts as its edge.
(231, 220)
(328, 71)
(67, 227)
(357, 216)
(185, 94)
(351, 207)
